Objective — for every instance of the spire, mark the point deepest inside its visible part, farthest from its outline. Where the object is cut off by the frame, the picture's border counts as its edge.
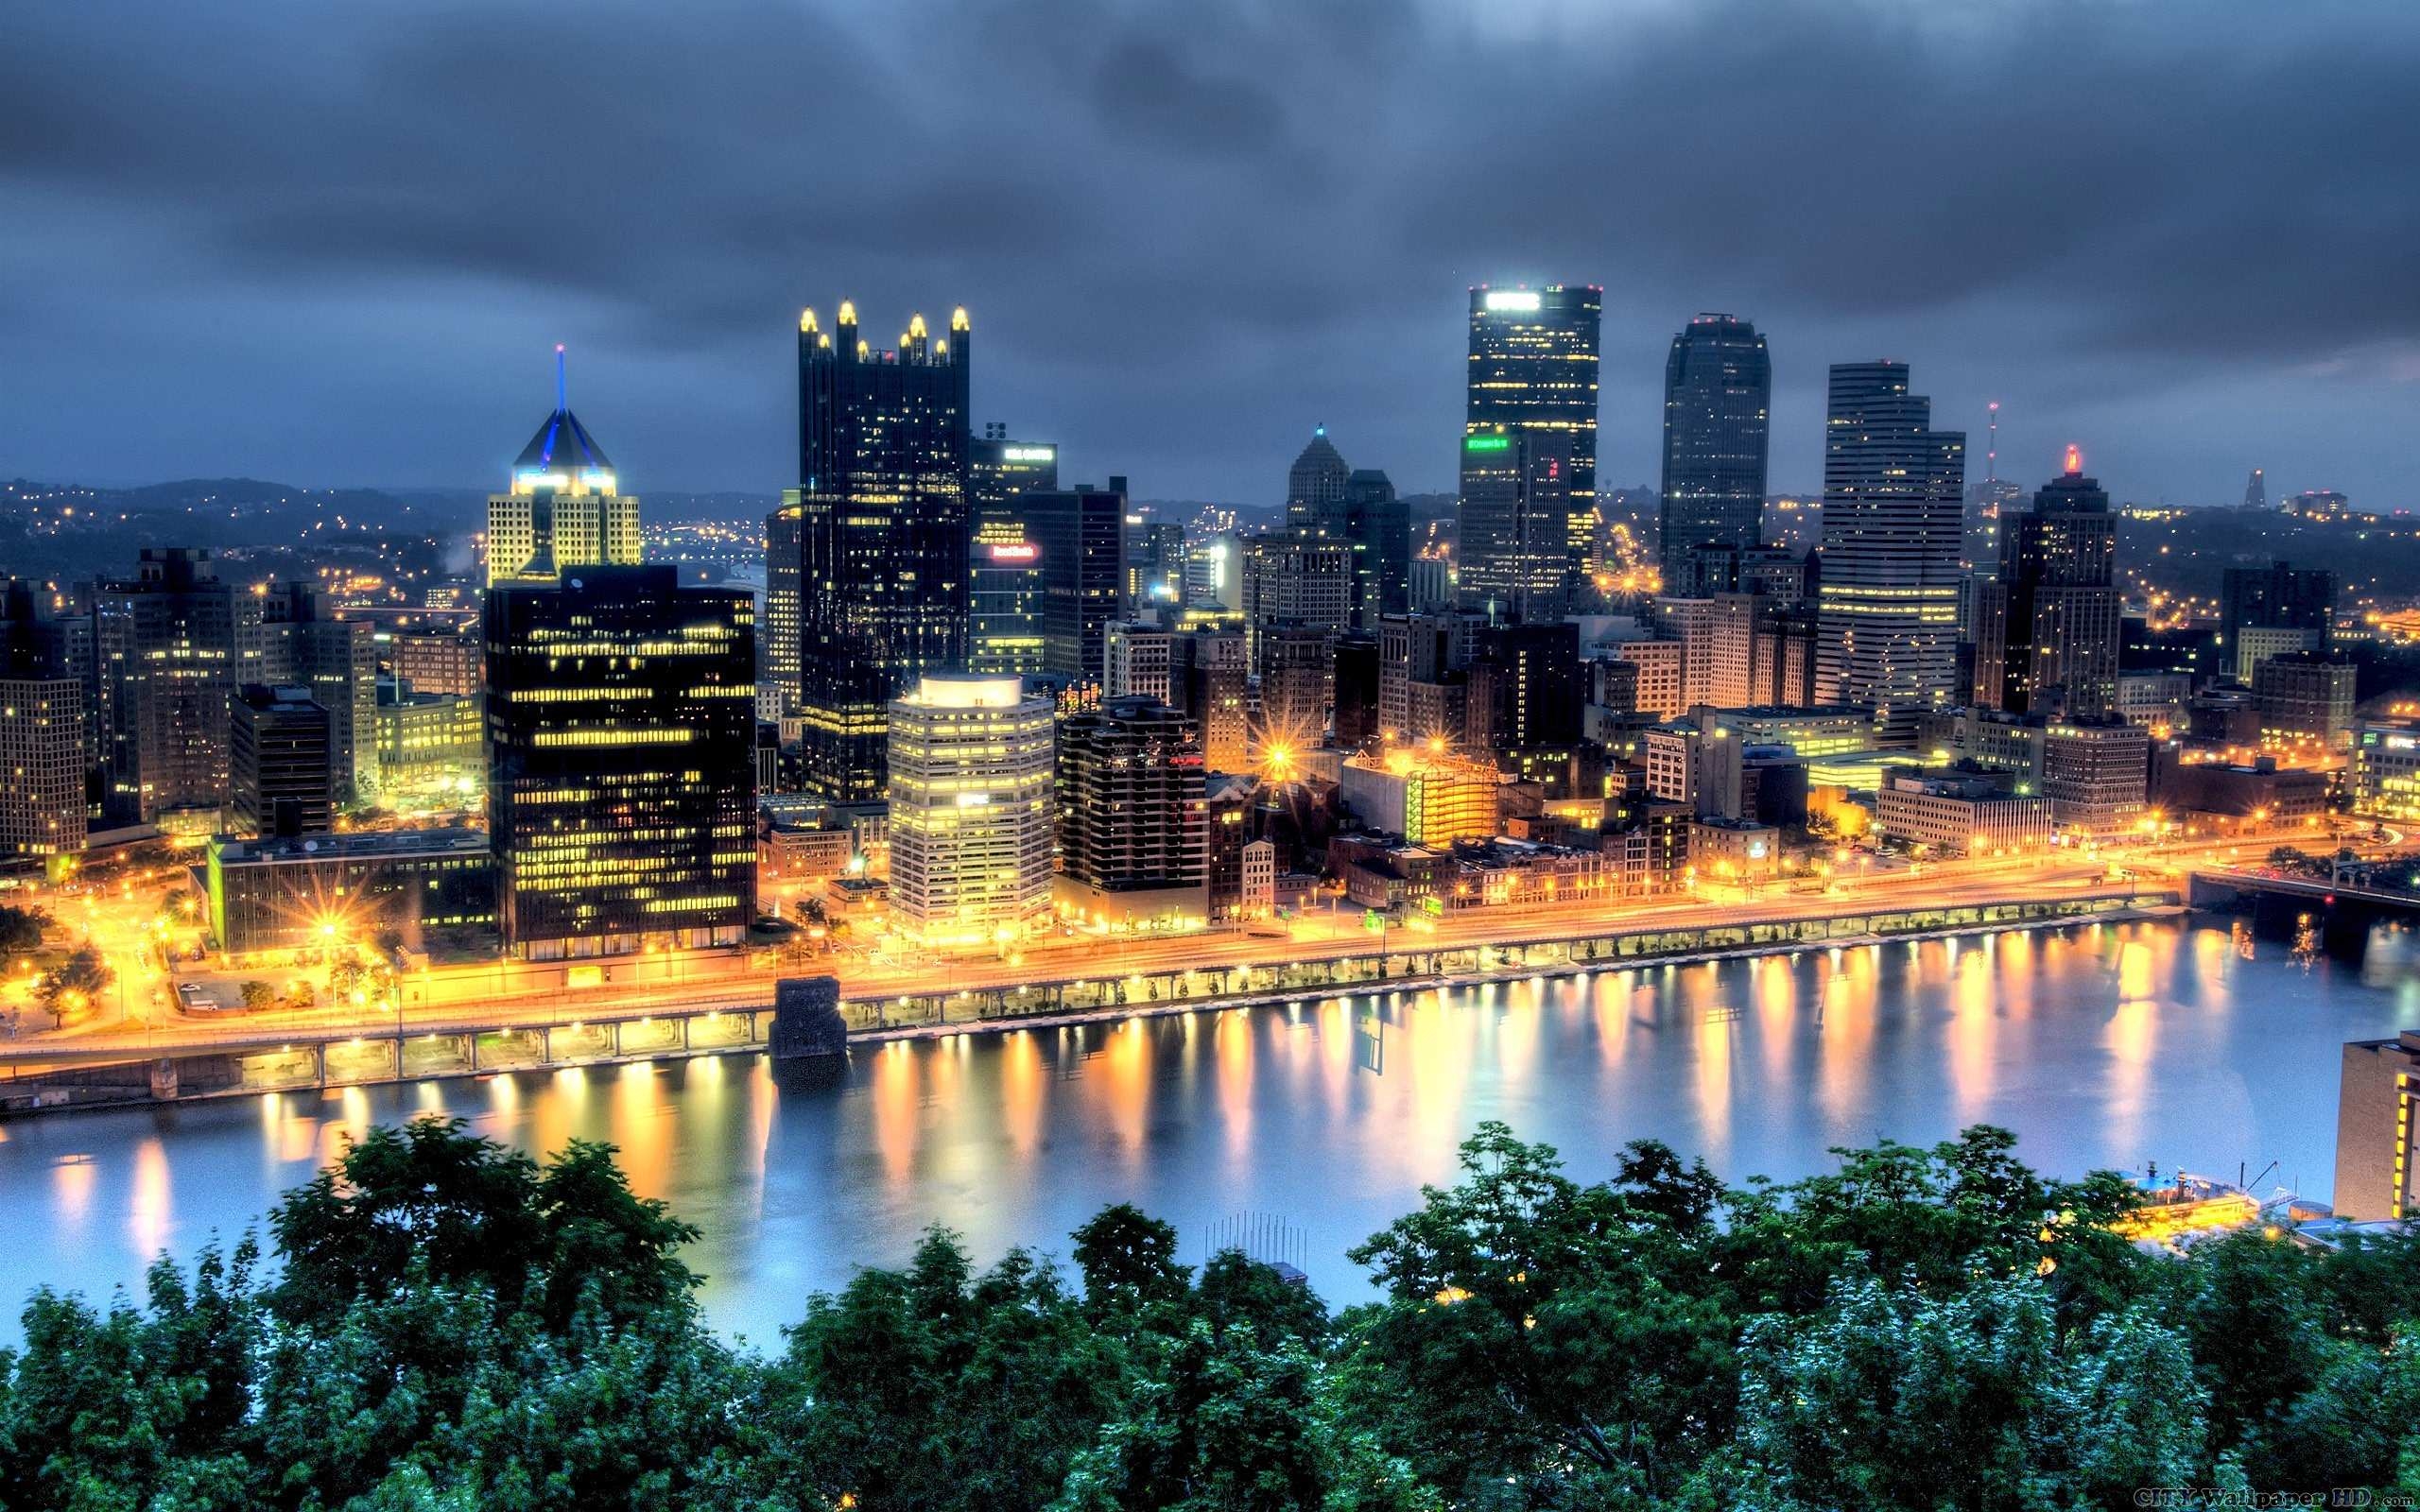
(562, 404)
(2075, 461)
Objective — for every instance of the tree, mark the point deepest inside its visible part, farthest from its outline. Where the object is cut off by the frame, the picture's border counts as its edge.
(21, 929)
(257, 993)
(76, 983)
(1129, 1260)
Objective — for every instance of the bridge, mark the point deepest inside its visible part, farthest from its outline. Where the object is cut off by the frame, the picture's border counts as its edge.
(2343, 913)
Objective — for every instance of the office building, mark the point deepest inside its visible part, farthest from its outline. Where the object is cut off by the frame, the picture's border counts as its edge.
(430, 746)
(1213, 681)
(280, 763)
(971, 771)
(2386, 769)
(2256, 491)
(1537, 685)
(1955, 815)
(2376, 1092)
(1717, 393)
(436, 655)
(1078, 539)
(1419, 655)
(563, 510)
(2220, 798)
(1378, 525)
(2097, 775)
(1894, 492)
(1353, 708)
(418, 887)
(884, 533)
(1298, 582)
(1428, 797)
(1314, 489)
(170, 646)
(1713, 567)
(1529, 459)
(1004, 632)
(43, 736)
(781, 638)
(1154, 566)
(305, 644)
(1133, 818)
(1297, 676)
(1662, 685)
(2272, 610)
(621, 735)
(1139, 660)
(2046, 630)
(2304, 699)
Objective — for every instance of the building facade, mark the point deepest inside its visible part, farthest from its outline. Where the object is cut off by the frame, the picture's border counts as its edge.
(2045, 633)
(1133, 818)
(281, 753)
(1529, 459)
(1004, 628)
(971, 773)
(1717, 397)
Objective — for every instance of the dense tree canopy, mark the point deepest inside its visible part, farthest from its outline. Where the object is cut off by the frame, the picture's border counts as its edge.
(450, 1325)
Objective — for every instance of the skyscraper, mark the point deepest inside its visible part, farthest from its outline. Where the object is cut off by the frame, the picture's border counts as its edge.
(621, 735)
(884, 531)
(562, 509)
(1378, 525)
(1718, 390)
(171, 647)
(304, 643)
(281, 762)
(1004, 632)
(1078, 539)
(1894, 489)
(1133, 815)
(2272, 610)
(41, 732)
(2048, 625)
(970, 811)
(1528, 461)
(1315, 489)
(2256, 491)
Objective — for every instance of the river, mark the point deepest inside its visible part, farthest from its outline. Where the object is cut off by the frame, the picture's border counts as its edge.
(2101, 1045)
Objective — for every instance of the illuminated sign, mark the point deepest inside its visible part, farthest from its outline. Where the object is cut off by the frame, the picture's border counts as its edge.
(1028, 454)
(1488, 443)
(1511, 298)
(1019, 553)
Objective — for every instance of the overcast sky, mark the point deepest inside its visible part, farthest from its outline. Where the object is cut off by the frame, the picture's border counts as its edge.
(336, 243)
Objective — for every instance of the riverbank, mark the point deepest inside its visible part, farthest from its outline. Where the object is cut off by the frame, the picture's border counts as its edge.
(226, 1063)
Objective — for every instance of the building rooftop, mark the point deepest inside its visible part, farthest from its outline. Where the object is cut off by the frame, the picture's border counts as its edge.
(362, 844)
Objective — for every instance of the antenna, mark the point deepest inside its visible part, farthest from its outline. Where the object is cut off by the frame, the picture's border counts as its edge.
(1990, 452)
(561, 403)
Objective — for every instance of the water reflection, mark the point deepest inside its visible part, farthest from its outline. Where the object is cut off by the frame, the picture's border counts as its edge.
(2101, 1046)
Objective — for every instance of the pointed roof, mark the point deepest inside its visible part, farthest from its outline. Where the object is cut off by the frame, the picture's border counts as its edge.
(563, 444)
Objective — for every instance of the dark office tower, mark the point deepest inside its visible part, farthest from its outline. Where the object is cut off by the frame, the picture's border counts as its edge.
(2046, 632)
(41, 732)
(1297, 668)
(2256, 491)
(306, 645)
(281, 762)
(1154, 565)
(1893, 491)
(1078, 539)
(1528, 511)
(2273, 610)
(1315, 487)
(884, 531)
(1133, 818)
(1356, 689)
(1378, 525)
(170, 645)
(1539, 683)
(1718, 389)
(1004, 629)
(622, 733)
(1217, 681)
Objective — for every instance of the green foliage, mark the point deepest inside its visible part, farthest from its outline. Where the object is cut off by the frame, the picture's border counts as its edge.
(448, 1325)
(21, 929)
(76, 983)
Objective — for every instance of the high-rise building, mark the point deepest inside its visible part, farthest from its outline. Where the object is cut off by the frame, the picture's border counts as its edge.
(1717, 395)
(1078, 539)
(2272, 610)
(1004, 629)
(1893, 491)
(884, 533)
(2377, 1104)
(43, 813)
(1378, 525)
(2095, 773)
(2304, 699)
(1214, 679)
(282, 770)
(440, 656)
(2046, 631)
(1355, 704)
(1315, 487)
(1297, 671)
(306, 643)
(622, 733)
(782, 635)
(1297, 582)
(1420, 657)
(1528, 461)
(1538, 683)
(971, 774)
(1133, 815)
(170, 646)
(1139, 662)
(1154, 565)
(2256, 491)
(563, 510)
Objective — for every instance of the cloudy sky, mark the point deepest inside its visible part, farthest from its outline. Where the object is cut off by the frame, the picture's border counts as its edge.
(336, 243)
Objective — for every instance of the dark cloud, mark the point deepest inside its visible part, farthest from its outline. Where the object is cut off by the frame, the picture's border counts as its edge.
(333, 243)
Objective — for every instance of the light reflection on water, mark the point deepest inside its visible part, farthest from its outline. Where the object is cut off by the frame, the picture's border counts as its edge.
(2100, 1045)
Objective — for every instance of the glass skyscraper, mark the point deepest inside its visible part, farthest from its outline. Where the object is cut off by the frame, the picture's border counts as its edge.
(1893, 522)
(2046, 628)
(1528, 461)
(882, 536)
(1005, 632)
(1717, 392)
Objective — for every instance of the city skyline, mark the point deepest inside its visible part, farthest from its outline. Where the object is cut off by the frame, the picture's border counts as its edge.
(2117, 322)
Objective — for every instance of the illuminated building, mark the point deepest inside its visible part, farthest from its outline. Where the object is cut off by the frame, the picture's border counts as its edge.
(1717, 393)
(1952, 815)
(431, 746)
(1536, 686)
(281, 768)
(1429, 796)
(1298, 582)
(2318, 503)
(2375, 1093)
(1811, 732)
(441, 657)
(2046, 630)
(1420, 654)
(1379, 526)
(1213, 683)
(2226, 797)
(170, 646)
(305, 644)
(1529, 459)
(1894, 492)
(2386, 769)
(278, 895)
(2304, 699)
(1004, 633)
(1079, 536)
(970, 811)
(2096, 774)
(563, 510)
(1663, 675)
(1138, 661)
(622, 722)
(884, 535)
(2272, 610)
(782, 635)
(1315, 487)
(1154, 564)
(1134, 816)
(1297, 683)
(42, 735)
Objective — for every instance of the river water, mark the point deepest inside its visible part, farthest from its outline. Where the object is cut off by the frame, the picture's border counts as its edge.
(2100, 1045)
